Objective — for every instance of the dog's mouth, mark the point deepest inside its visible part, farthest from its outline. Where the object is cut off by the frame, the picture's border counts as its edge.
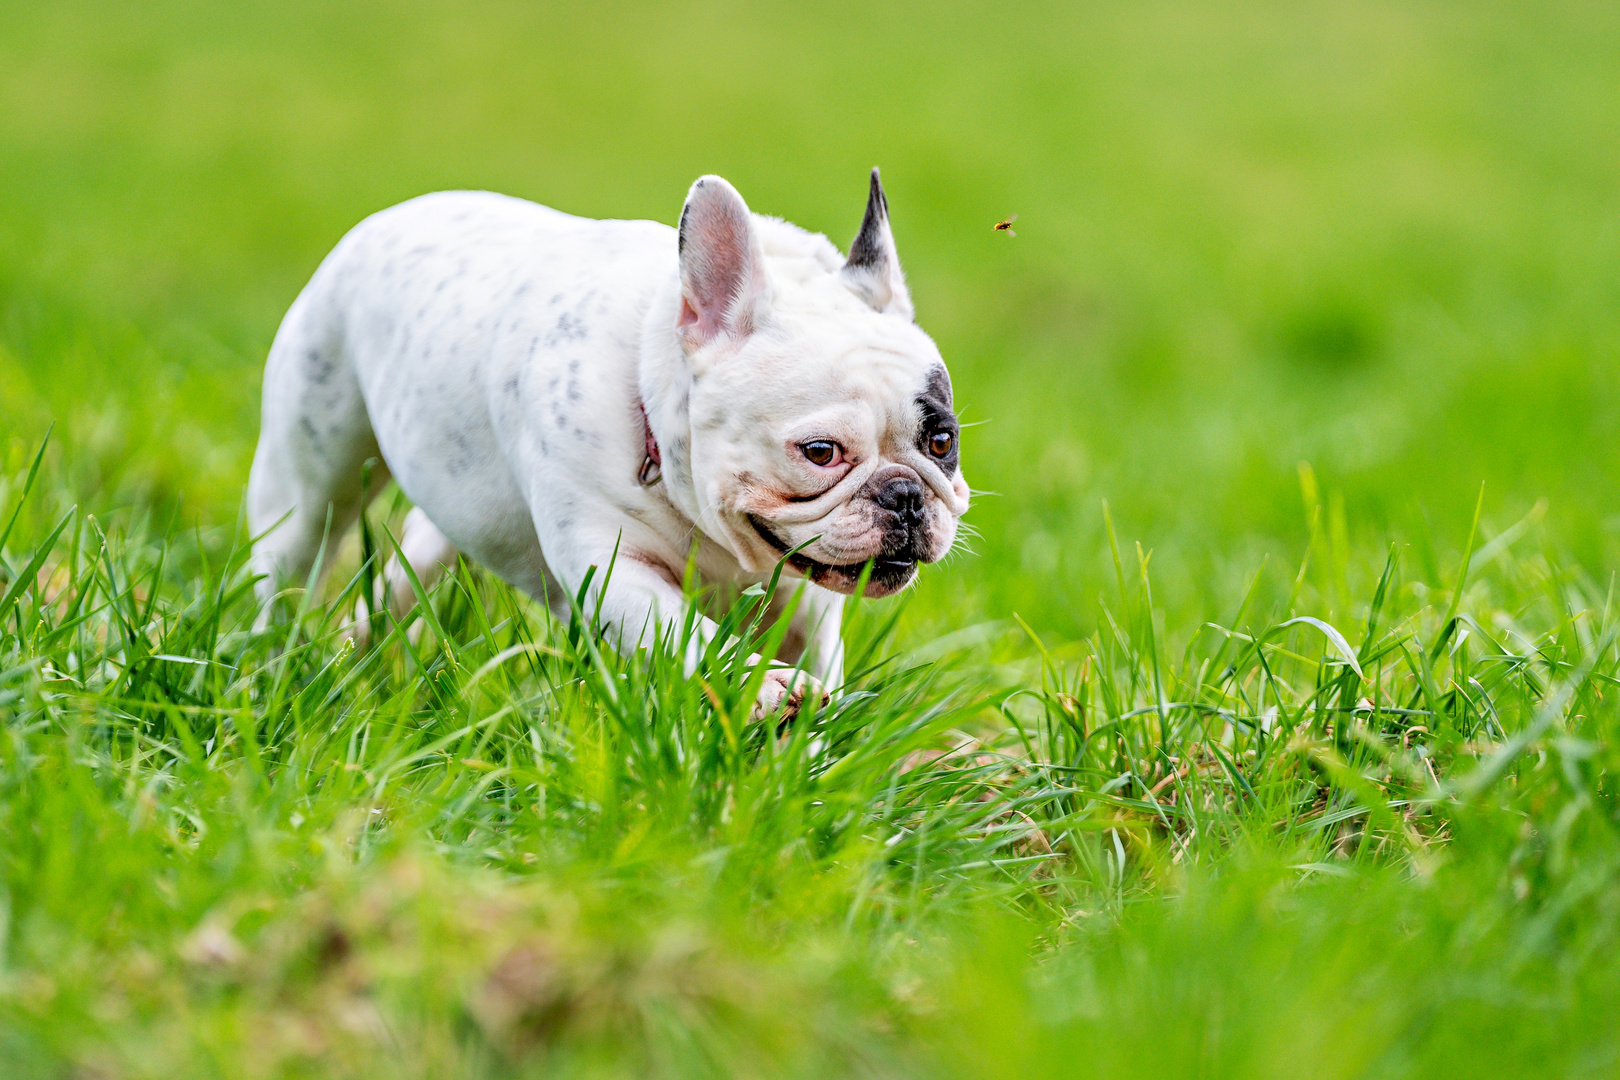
(890, 573)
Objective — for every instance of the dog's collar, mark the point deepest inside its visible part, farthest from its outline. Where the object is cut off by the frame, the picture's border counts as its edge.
(652, 465)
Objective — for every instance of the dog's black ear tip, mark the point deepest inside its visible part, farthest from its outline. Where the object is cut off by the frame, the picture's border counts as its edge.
(876, 200)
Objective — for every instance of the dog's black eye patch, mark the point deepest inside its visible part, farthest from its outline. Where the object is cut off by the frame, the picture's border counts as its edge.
(938, 435)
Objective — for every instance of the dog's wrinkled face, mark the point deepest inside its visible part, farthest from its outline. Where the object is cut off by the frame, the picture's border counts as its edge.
(821, 420)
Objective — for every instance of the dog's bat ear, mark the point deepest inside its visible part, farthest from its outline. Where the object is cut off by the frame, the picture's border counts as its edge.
(724, 289)
(873, 267)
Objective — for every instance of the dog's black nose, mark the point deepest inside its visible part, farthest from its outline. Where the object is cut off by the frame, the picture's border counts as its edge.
(903, 497)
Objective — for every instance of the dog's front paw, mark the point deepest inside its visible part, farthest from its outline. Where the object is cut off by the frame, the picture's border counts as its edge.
(787, 690)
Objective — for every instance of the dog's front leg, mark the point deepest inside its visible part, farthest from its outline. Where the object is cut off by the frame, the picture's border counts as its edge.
(642, 605)
(818, 625)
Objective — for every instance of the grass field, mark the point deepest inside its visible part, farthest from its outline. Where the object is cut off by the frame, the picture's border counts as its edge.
(1268, 728)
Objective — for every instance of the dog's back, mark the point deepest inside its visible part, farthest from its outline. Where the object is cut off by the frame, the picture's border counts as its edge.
(435, 334)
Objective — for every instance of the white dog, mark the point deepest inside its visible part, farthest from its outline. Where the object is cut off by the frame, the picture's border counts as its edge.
(548, 389)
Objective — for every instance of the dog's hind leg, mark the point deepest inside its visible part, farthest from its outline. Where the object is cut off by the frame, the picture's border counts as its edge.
(429, 553)
(308, 482)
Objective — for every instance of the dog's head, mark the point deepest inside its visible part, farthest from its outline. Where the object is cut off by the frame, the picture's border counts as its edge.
(820, 414)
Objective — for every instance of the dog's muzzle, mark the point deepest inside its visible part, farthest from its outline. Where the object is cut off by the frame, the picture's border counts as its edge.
(891, 570)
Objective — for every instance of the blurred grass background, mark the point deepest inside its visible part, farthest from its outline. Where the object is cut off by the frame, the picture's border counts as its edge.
(1383, 239)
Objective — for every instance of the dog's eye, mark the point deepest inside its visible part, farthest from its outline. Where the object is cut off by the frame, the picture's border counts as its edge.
(822, 452)
(940, 443)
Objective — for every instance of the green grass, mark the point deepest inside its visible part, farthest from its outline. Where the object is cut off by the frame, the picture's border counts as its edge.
(1293, 285)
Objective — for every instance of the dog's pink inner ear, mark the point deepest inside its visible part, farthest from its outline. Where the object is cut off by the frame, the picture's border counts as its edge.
(722, 272)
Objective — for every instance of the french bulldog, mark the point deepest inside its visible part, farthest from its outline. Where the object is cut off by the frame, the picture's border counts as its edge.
(555, 393)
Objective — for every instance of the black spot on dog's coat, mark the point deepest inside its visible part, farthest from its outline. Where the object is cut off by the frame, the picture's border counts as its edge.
(320, 365)
(570, 327)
